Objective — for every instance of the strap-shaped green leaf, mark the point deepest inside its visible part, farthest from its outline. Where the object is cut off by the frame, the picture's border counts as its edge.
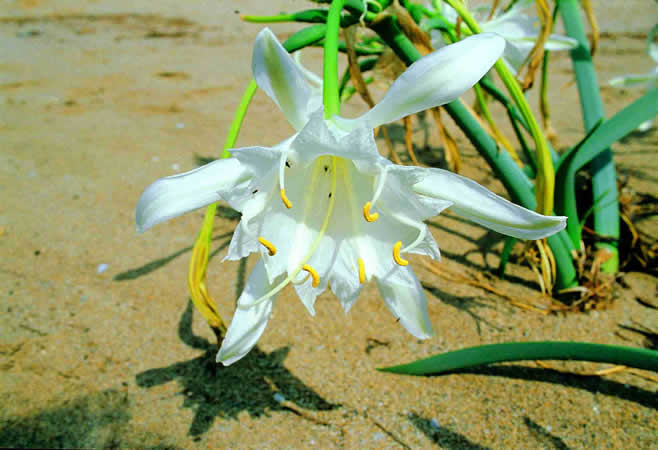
(639, 358)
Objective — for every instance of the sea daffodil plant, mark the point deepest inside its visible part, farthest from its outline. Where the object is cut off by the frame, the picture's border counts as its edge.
(324, 209)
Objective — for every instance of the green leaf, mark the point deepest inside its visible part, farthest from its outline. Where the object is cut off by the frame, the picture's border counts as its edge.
(602, 168)
(596, 142)
(639, 358)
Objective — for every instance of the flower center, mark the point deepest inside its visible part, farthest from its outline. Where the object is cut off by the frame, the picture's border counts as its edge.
(320, 165)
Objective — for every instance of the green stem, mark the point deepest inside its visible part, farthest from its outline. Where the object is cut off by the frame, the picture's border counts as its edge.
(330, 96)
(545, 172)
(604, 176)
(238, 118)
(515, 181)
(305, 37)
(639, 358)
(596, 142)
(500, 137)
(505, 254)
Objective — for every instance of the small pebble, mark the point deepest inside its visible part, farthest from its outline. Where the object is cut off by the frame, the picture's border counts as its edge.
(101, 268)
(549, 428)
(155, 159)
(175, 166)
(180, 125)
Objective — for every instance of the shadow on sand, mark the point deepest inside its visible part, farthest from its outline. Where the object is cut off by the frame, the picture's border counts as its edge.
(96, 420)
(212, 390)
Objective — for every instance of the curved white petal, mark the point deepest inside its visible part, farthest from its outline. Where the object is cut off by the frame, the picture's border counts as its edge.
(175, 195)
(406, 299)
(557, 42)
(313, 80)
(276, 72)
(632, 80)
(248, 324)
(513, 27)
(486, 208)
(435, 79)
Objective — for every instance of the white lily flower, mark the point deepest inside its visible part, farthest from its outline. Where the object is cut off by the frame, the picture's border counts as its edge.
(520, 30)
(324, 209)
(648, 80)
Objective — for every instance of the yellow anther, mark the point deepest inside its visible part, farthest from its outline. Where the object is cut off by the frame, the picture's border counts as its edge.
(396, 254)
(268, 245)
(314, 274)
(366, 213)
(285, 199)
(362, 271)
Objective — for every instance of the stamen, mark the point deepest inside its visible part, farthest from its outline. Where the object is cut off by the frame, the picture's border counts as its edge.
(302, 281)
(381, 180)
(420, 226)
(366, 213)
(314, 274)
(268, 245)
(362, 271)
(396, 254)
(282, 171)
(302, 266)
(285, 199)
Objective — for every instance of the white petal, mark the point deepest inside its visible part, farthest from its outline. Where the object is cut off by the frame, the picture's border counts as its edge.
(486, 208)
(645, 126)
(321, 137)
(248, 324)
(313, 80)
(435, 79)
(175, 195)
(514, 56)
(344, 278)
(653, 50)
(406, 299)
(632, 80)
(276, 72)
(557, 42)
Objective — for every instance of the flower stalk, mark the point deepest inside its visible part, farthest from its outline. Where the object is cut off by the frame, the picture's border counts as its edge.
(330, 95)
(512, 176)
(545, 173)
(196, 275)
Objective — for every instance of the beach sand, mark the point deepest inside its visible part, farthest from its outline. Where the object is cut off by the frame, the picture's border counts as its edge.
(99, 345)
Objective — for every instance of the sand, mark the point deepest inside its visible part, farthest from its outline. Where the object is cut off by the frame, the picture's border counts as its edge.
(99, 345)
